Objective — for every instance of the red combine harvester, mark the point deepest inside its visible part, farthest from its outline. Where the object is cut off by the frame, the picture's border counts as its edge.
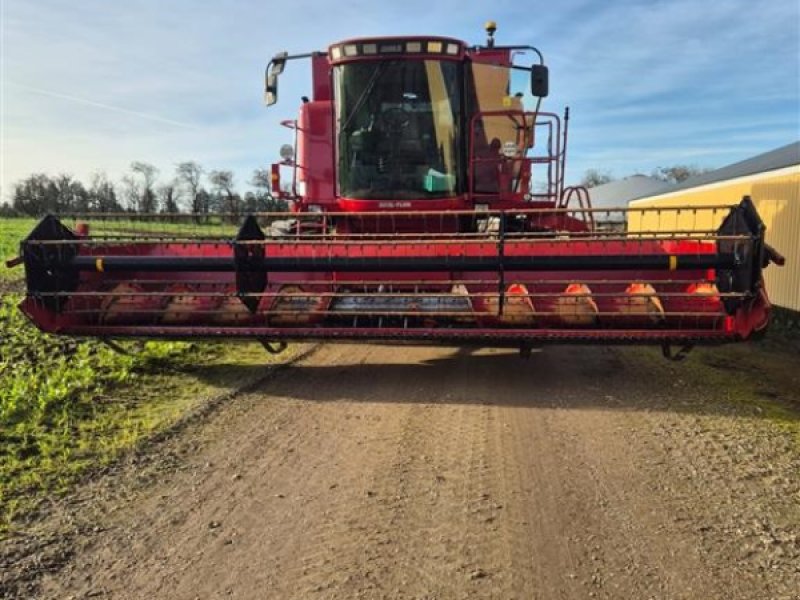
(428, 205)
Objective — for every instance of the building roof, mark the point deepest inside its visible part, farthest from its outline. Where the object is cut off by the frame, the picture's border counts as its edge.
(785, 156)
(636, 187)
(620, 192)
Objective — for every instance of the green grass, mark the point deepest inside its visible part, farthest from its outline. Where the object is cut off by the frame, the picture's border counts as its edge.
(68, 407)
(182, 226)
(760, 376)
(11, 232)
(756, 380)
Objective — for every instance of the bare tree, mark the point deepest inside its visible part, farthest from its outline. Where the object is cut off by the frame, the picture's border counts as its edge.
(70, 194)
(189, 174)
(102, 195)
(131, 192)
(250, 202)
(262, 199)
(678, 173)
(593, 178)
(262, 179)
(224, 186)
(36, 195)
(148, 173)
(168, 196)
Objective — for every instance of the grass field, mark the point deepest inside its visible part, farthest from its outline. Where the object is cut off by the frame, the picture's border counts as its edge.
(67, 406)
(11, 232)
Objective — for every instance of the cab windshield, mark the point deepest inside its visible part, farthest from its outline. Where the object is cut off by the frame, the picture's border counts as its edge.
(398, 124)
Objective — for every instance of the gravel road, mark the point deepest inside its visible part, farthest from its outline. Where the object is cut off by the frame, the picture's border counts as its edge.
(446, 473)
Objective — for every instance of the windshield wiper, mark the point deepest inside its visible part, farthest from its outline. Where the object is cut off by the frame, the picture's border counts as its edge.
(363, 97)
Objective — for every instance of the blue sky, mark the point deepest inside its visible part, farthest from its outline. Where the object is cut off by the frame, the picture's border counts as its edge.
(97, 84)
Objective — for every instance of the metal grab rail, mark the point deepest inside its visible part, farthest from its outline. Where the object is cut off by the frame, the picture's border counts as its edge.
(718, 314)
(265, 216)
(554, 158)
(581, 194)
(498, 262)
(644, 237)
(172, 293)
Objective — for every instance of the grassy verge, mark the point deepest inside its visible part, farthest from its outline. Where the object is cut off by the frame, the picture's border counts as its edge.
(763, 376)
(786, 322)
(11, 232)
(757, 380)
(69, 407)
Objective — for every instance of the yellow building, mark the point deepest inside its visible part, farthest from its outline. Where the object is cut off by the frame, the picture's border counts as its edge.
(772, 180)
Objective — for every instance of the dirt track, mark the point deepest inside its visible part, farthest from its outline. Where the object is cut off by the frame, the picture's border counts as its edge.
(375, 472)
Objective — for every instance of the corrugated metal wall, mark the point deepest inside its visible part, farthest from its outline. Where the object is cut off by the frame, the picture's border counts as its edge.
(777, 197)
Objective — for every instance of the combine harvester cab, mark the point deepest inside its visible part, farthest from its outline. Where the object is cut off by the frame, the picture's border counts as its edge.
(428, 205)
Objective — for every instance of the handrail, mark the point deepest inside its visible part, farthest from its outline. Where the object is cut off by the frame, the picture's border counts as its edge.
(581, 194)
(553, 159)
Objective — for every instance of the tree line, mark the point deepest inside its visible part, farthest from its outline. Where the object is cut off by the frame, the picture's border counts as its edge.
(675, 174)
(189, 189)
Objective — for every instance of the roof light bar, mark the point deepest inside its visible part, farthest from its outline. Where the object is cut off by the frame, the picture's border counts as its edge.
(351, 50)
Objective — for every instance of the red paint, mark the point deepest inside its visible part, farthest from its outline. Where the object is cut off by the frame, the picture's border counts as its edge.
(178, 305)
(314, 151)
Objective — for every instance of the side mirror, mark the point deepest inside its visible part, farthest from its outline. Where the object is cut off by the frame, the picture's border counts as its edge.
(540, 81)
(271, 89)
(274, 68)
(279, 62)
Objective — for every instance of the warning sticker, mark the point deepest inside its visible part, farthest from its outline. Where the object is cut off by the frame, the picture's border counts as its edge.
(510, 149)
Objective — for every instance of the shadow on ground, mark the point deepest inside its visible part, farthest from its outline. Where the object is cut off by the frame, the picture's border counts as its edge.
(747, 382)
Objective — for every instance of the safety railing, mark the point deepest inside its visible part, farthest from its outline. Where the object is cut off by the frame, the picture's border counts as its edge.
(679, 266)
(689, 221)
(502, 167)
